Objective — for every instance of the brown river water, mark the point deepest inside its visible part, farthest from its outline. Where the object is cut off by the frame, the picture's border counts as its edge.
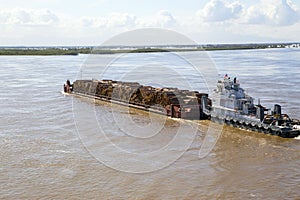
(54, 146)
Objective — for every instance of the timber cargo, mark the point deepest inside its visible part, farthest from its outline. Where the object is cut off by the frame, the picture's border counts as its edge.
(167, 101)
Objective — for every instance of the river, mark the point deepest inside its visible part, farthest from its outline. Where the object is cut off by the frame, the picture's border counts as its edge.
(50, 148)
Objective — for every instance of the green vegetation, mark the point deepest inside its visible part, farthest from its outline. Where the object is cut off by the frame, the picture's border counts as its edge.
(138, 50)
(47, 51)
(44, 51)
(148, 50)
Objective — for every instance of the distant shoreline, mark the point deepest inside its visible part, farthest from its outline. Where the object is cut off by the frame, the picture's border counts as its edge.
(73, 51)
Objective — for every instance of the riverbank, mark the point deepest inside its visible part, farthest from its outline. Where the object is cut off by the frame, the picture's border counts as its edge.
(42, 51)
(48, 51)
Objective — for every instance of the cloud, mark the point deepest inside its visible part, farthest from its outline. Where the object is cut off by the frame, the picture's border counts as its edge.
(93, 22)
(278, 12)
(162, 19)
(218, 10)
(112, 21)
(121, 20)
(265, 12)
(234, 20)
(28, 17)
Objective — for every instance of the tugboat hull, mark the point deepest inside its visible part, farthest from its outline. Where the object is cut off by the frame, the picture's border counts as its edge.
(233, 107)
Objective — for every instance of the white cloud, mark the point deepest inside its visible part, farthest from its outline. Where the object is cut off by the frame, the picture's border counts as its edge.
(219, 10)
(265, 12)
(28, 17)
(114, 20)
(121, 20)
(264, 21)
(278, 12)
(93, 22)
(217, 21)
(162, 19)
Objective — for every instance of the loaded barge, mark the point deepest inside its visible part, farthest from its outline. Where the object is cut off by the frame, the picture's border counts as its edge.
(172, 102)
(228, 104)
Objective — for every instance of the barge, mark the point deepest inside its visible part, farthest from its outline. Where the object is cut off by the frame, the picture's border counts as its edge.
(172, 102)
(228, 104)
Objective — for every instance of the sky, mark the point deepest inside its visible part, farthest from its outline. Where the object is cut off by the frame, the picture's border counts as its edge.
(92, 22)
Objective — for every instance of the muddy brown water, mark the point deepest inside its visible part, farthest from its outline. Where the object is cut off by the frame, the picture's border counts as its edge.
(43, 155)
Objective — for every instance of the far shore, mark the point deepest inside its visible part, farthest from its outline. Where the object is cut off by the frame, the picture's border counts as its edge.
(73, 51)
